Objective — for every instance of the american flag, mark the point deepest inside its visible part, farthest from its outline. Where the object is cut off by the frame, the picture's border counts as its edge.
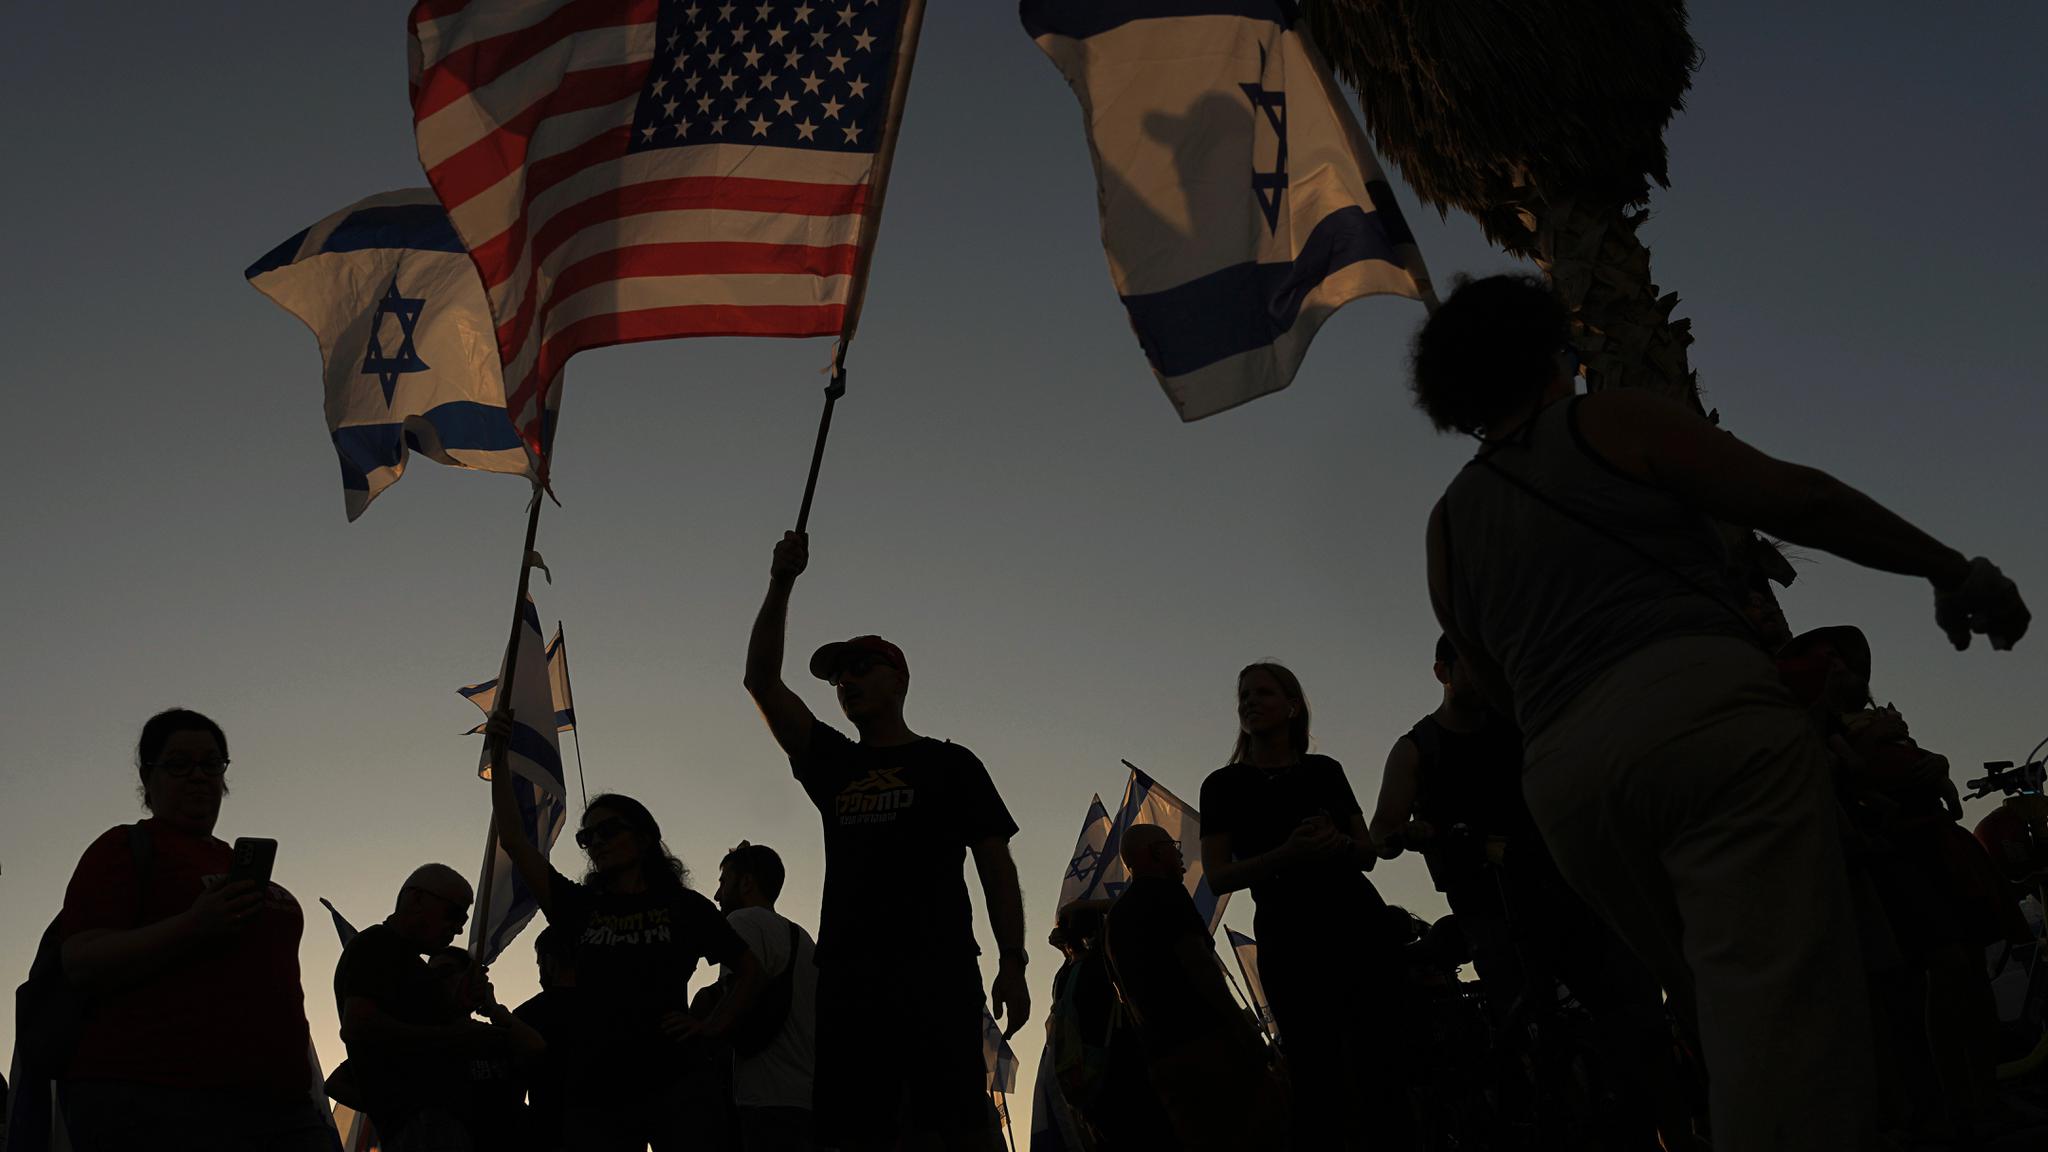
(629, 170)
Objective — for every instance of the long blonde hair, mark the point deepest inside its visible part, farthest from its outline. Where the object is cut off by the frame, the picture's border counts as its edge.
(1297, 725)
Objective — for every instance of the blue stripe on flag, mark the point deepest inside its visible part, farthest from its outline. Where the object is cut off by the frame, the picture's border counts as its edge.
(531, 615)
(278, 257)
(424, 227)
(527, 743)
(565, 718)
(1250, 305)
(1080, 19)
(462, 425)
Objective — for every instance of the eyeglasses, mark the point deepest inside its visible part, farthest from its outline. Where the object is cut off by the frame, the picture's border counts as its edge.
(453, 912)
(183, 769)
(599, 832)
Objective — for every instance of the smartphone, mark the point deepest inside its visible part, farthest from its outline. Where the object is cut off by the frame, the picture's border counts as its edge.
(253, 858)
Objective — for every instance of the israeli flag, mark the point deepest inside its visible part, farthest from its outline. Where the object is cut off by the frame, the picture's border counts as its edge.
(485, 695)
(996, 1057)
(1241, 204)
(1246, 950)
(410, 353)
(1147, 802)
(1054, 1125)
(535, 759)
(1086, 863)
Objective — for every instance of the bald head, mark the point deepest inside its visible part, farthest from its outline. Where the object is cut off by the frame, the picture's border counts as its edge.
(1149, 850)
(433, 904)
(440, 880)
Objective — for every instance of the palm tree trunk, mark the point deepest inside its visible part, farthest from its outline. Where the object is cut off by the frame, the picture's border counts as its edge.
(1600, 268)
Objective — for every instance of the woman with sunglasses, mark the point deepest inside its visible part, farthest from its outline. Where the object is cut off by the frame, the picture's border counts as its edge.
(635, 1053)
(195, 1034)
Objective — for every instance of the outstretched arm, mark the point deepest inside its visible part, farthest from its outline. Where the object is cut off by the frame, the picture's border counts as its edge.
(532, 865)
(788, 718)
(1662, 442)
(1005, 899)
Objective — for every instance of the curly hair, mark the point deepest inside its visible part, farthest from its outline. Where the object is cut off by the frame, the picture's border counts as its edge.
(663, 871)
(1485, 350)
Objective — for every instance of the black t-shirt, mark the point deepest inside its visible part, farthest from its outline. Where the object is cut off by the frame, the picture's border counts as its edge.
(898, 822)
(1151, 920)
(1475, 779)
(386, 969)
(635, 953)
(1259, 809)
(494, 1106)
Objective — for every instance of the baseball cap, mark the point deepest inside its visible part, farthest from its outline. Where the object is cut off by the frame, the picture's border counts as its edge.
(826, 661)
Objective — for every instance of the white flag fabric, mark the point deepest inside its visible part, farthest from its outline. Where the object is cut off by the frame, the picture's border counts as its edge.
(1086, 862)
(410, 353)
(485, 695)
(996, 1056)
(536, 763)
(1053, 1124)
(1241, 204)
(1247, 952)
(1147, 802)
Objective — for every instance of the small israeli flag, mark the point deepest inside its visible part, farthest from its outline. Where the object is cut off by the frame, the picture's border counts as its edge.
(1087, 862)
(410, 353)
(1241, 204)
(534, 756)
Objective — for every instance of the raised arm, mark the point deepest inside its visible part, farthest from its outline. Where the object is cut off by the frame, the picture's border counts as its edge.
(528, 859)
(788, 718)
(1398, 787)
(1004, 896)
(1664, 443)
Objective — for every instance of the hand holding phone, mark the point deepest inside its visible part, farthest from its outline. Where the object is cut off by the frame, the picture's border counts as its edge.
(254, 856)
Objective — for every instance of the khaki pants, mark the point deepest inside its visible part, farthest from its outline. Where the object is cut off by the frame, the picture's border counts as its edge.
(1686, 798)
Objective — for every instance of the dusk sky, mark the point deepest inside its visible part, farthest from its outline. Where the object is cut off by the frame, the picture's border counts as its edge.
(1854, 228)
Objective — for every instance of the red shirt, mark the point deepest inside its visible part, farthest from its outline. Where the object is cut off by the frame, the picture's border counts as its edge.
(227, 1014)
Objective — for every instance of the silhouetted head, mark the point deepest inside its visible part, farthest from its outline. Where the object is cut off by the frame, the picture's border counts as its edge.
(1269, 701)
(870, 676)
(1148, 850)
(619, 835)
(1079, 927)
(555, 951)
(1452, 673)
(750, 876)
(182, 758)
(433, 905)
(1489, 351)
(463, 982)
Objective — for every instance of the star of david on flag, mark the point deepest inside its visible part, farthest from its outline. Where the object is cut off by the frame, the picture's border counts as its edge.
(409, 361)
(404, 358)
(1241, 204)
(1086, 863)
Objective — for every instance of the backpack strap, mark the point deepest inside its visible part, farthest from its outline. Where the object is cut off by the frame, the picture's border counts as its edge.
(142, 850)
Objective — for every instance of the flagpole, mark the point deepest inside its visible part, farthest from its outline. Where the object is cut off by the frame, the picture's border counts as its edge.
(575, 731)
(1258, 1010)
(871, 226)
(505, 684)
(1009, 1127)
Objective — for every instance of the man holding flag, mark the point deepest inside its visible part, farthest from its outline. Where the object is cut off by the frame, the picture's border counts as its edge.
(899, 1057)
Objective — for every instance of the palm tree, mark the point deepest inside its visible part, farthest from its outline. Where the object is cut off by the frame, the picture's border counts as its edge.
(1543, 119)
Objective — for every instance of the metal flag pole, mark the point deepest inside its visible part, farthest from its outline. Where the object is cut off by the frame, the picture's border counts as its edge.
(1003, 1110)
(575, 730)
(871, 226)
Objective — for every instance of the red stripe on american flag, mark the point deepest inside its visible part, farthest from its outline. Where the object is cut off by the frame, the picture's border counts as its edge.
(681, 320)
(682, 193)
(498, 155)
(473, 66)
(711, 258)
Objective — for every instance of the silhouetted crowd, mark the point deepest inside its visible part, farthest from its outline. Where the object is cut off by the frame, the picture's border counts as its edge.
(1707, 893)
